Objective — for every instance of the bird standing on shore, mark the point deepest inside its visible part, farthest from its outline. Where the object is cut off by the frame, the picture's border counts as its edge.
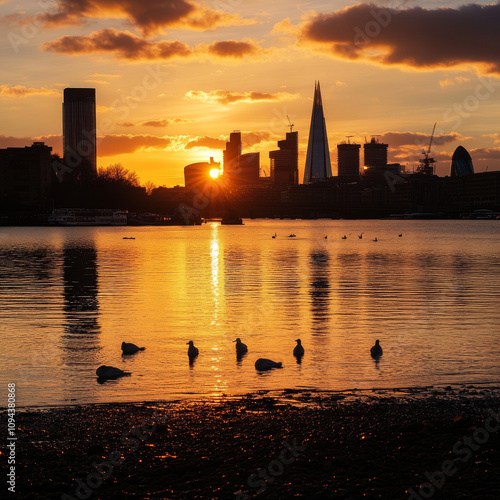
(129, 348)
(298, 350)
(376, 350)
(192, 350)
(241, 348)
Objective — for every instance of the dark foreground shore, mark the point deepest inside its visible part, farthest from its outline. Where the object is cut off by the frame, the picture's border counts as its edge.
(440, 443)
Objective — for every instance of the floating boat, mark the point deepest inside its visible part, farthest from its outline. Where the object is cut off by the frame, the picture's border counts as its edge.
(87, 217)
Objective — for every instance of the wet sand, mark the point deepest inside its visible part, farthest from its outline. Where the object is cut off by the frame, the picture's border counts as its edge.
(289, 444)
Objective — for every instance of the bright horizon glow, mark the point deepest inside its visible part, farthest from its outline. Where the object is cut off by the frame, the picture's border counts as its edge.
(214, 173)
(175, 100)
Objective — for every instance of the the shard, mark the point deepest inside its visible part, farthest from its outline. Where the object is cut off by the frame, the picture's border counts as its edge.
(318, 166)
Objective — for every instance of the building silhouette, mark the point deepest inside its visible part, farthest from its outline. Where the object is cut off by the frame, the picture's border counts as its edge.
(375, 154)
(26, 177)
(249, 167)
(318, 166)
(231, 156)
(196, 175)
(348, 162)
(285, 161)
(79, 132)
(461, 163)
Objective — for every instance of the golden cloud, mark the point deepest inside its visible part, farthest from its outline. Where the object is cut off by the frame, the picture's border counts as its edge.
(228, 97)
(21, 91)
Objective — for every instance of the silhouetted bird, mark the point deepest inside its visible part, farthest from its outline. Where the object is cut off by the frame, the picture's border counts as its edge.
(129, 348)
(344, 237)
(298, 350)
(360, 236)
(274, 236)
(376, 350)
(109, 372)
(192, 350)
(401, 235)
(241, 348)
(326, 237)
(375, 239)
(263, 364)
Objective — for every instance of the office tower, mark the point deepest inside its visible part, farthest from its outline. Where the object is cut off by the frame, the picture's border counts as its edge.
(318, 165)
(231, 156)
(197, 175)
(249, 167)
(79, 132)
(461, 163)
(348, 162)
(26, 177)
(285, 161)
(375, 154)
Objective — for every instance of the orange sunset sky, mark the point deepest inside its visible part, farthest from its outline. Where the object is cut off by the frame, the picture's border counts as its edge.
(174, 77)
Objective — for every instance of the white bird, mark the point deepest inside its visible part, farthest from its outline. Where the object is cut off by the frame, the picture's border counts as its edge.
(241, 348)
(298, 350)
(263, 364)
(192, 350)
(129, 348)
(376, 350)
(109, 372)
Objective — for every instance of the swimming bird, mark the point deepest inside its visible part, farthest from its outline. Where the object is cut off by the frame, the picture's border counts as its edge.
(326, 237)
(129, 348)
(241, 348)
(298, 350)
(275, 235)
(375, 239)
(376, 350)
(401, 235)
(192, 350)
(110, 372)
(263, 364)
(360, 236)
(344, 237)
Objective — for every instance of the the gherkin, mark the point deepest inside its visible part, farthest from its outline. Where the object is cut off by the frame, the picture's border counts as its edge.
(318, 166)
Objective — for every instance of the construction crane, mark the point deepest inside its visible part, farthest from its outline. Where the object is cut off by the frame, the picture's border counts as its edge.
(426, 163)
(290, 124)
(348, 138)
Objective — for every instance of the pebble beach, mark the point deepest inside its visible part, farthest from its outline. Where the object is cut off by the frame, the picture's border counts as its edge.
(428, 442)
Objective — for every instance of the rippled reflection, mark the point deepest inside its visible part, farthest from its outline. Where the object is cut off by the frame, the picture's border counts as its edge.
(69, 297)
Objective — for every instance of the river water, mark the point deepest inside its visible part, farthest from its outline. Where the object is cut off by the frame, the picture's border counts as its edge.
(70, 296)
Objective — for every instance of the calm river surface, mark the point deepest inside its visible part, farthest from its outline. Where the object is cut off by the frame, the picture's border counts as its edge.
(70, 296)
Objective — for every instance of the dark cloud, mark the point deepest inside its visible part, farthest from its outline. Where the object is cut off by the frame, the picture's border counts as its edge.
(116, 144)
(485, 154)
(122, 44)
(206, 142)
(417, 139)
(228, 97)
(233, 48)
(414, 37)
(150, 16)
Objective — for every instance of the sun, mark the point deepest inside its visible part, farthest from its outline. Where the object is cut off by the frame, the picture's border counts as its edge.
(214, 173)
